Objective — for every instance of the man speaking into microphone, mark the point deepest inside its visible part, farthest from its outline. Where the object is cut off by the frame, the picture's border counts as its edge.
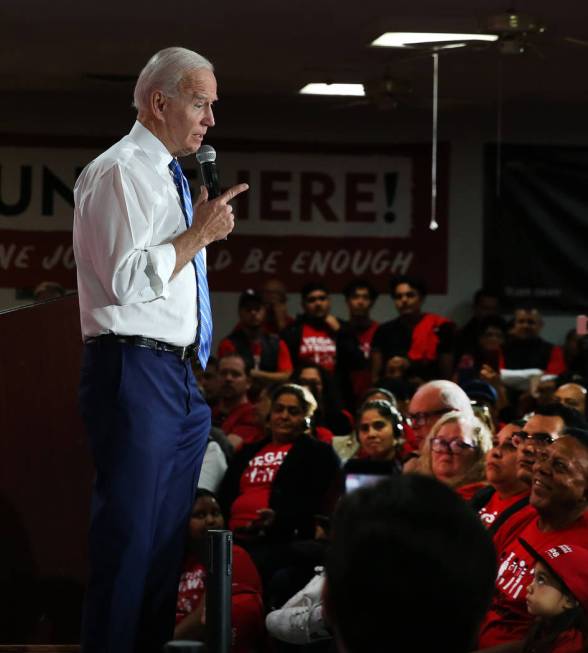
(139, 245)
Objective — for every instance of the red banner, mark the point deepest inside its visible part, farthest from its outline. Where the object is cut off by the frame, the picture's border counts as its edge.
(29, 257)
(311, 213)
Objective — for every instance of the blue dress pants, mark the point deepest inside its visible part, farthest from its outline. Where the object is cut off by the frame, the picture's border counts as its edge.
(148, 427)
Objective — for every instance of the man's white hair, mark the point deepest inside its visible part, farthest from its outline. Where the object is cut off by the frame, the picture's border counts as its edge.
(451, 396)
(164, 72)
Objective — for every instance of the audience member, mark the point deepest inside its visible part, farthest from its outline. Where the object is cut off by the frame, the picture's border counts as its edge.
(572, 395)
(330, 413)
(275, 300)
(246, 595)
(360, 296)
(380, 431)
(559, 494)
(486, 352)
(266, 354)
(484, 398)
(525, 349)
(301, 619)
(486, 305)
(209, 380)
(274, 488)
(375, 393)
(455, 452)
(505, 493)
(432, 400)
(410, 569)
(542, 428)
(545, 389)
(401, 389)
(558, 599)
(424, 340)
(315, 335)
(347, 446)
(234, 413)
(396, 367)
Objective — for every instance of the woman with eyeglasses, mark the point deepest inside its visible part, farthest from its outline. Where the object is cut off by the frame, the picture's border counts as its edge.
(455, 451)
(503, 505)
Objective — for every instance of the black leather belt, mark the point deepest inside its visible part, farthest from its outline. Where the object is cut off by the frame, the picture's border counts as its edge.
(148, 343)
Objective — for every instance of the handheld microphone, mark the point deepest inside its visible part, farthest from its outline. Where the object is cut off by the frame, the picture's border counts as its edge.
(206, 157)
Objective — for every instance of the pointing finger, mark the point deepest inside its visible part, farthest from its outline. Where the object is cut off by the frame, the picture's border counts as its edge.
(232, 192)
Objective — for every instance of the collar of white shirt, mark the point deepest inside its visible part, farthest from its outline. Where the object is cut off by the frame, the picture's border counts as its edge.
(152, 146)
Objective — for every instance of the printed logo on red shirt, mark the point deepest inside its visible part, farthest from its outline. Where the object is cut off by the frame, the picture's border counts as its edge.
(191, 590)
(263, 468)
(488, 517)
(317, 346)
(513, 575)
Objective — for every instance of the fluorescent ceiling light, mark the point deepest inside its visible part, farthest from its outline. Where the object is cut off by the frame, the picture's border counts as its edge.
(333, 89)
(406, 39)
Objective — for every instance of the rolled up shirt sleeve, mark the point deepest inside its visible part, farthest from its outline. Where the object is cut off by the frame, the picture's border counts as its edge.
(119, 217)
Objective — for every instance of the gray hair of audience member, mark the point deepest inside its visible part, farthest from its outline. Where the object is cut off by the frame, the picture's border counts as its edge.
(480, 436)
(164, 72)
(301, 392)
(451, 396)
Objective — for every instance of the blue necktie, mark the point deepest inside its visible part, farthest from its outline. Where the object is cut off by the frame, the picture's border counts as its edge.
(203, 312)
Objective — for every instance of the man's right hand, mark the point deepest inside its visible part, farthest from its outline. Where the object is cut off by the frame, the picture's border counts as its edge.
(213, 220)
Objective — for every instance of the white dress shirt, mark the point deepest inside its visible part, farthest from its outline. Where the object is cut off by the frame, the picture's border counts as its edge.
(127, 212)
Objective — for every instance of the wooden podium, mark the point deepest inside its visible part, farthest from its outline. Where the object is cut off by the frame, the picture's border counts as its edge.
(45, 475)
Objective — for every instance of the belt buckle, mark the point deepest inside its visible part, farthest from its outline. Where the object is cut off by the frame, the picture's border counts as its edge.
(185, 352)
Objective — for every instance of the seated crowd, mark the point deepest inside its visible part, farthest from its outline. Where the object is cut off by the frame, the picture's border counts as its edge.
(477, 540)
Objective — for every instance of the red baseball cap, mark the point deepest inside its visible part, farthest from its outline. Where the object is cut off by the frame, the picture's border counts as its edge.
(569, 564)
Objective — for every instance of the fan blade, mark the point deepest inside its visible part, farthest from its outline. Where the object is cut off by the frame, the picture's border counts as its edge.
(575, 41)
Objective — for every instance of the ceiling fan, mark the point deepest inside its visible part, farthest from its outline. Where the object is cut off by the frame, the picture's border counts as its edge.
(518, 32)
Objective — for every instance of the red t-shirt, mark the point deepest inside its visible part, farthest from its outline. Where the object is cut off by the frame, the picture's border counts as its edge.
(508, 619)
(246, 603)
(241, 421)
(513, 527)
(191, 589)
(256, 484)
(496, 506)
(317, 346)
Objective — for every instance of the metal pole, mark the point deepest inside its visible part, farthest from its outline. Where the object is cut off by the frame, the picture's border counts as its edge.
(218, 591)
(433, 224)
